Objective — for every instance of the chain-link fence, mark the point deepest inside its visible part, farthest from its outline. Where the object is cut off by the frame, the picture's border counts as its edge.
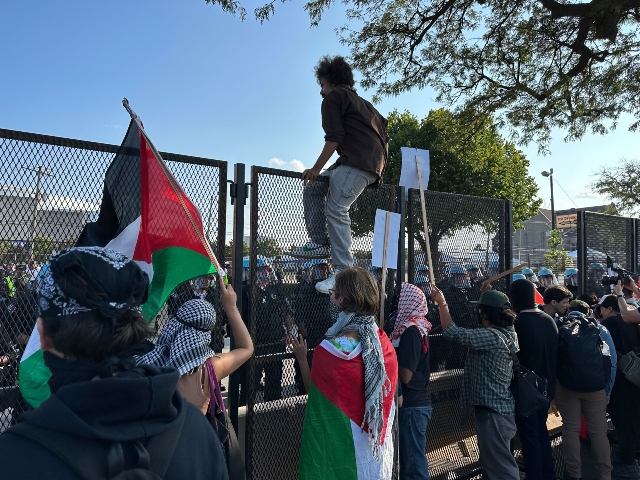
(600, 236)
(50, 187)
(469, 239)
(282, 300)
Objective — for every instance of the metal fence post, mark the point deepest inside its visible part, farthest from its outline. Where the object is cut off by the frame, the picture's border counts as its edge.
(582, 253)
(238, 194)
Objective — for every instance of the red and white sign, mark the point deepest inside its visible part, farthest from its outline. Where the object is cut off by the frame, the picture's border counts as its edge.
(567, 221)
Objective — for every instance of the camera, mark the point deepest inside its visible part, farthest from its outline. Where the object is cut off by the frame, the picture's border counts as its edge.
(623, 275)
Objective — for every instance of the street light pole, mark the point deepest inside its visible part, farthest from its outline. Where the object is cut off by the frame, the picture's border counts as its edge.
(553, 210)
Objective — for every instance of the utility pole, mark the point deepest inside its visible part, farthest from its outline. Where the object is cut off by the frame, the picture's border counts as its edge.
(40, 172)
(553, 210)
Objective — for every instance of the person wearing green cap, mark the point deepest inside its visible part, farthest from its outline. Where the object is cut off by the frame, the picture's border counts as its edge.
(487, 377)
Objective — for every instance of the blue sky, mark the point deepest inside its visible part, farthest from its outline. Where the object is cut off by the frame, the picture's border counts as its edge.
(207, 84)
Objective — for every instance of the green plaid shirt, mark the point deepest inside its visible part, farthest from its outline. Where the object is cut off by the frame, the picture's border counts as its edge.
(488, 368)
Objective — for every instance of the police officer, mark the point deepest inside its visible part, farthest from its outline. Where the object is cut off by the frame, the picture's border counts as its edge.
(571, 280)
(547, 278)
(595, 272)
(530, 275)
(273, 318)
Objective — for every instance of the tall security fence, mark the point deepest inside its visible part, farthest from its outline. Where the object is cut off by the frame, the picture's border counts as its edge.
(50, 187)
(470, 241)
(599, 236)
(286, 303)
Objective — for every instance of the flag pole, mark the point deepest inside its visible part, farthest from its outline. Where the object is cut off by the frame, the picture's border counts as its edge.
(424, 220)
(172, 182)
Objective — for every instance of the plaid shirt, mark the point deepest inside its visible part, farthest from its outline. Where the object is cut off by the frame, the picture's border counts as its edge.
(488, 368)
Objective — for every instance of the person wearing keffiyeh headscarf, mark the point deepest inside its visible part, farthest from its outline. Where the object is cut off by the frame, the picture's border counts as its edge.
(184, 344)
(410, 338)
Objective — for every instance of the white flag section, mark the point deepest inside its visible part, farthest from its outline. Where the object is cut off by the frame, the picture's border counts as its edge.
(378, 239)
(408, 174)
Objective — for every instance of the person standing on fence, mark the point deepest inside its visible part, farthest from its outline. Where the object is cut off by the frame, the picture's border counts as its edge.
(357, 131)
(105, 416)
(538, 342)
(410, 338)
(487, 378)
(351, 407)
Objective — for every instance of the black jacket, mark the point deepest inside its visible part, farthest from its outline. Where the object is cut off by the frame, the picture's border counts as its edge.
(136, 404)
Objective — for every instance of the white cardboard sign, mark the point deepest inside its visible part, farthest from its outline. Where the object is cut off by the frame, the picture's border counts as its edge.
(378, 239)
(409, 173)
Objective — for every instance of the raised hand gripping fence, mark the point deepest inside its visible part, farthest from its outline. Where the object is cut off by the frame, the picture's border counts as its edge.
(50, 187)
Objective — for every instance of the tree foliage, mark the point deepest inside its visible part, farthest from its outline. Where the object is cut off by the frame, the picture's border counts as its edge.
(557, 259)
(463, 161)
(536, 64)
(620, 182)
(467, 161)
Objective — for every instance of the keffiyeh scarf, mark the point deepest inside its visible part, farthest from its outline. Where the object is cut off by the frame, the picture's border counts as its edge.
(412, 311)
(376, 381)
(184, 341)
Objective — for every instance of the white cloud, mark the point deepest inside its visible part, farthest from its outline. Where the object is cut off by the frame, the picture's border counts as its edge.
(295, 165)
(587, 194)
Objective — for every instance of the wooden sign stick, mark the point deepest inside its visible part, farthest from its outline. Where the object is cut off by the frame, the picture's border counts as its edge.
(424, 221)
(384, 270)
(504, 274)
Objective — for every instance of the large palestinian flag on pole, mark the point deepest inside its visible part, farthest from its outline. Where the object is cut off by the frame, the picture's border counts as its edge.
(146, 215)
(334, 446)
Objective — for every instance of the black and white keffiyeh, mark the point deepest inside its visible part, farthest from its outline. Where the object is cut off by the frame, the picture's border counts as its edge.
(376, 382)
(184, 341)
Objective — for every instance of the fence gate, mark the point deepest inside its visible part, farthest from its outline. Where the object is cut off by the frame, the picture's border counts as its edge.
(288, 302)
(50, 187)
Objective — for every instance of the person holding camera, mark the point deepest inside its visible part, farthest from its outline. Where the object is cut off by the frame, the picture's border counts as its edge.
(487, 378)
(627, 312)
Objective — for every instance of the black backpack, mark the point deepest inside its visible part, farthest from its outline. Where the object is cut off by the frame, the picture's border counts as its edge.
(103, 460)
(584, 360)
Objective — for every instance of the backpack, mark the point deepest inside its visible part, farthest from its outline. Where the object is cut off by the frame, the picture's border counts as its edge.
(103, 460)
(584, 360)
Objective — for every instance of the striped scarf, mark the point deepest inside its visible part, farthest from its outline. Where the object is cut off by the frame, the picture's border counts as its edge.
(376, 382)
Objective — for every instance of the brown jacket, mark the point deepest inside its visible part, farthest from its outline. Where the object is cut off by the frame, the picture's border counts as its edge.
(359, 129)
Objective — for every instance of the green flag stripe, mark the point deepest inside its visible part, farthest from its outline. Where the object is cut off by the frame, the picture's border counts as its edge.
(171, 267)
(327, 441)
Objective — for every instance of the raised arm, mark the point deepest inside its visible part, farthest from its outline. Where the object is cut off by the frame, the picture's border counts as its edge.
(227, 363)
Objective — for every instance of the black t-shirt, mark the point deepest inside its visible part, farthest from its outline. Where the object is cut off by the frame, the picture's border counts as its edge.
(538, 342)
(624, 335)
(410, 356)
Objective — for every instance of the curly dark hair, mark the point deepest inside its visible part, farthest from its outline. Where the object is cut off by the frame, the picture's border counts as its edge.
(335, 69)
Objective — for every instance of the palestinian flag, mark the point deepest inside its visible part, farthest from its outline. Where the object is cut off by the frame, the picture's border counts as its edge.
(146, 215)
(334, 446)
